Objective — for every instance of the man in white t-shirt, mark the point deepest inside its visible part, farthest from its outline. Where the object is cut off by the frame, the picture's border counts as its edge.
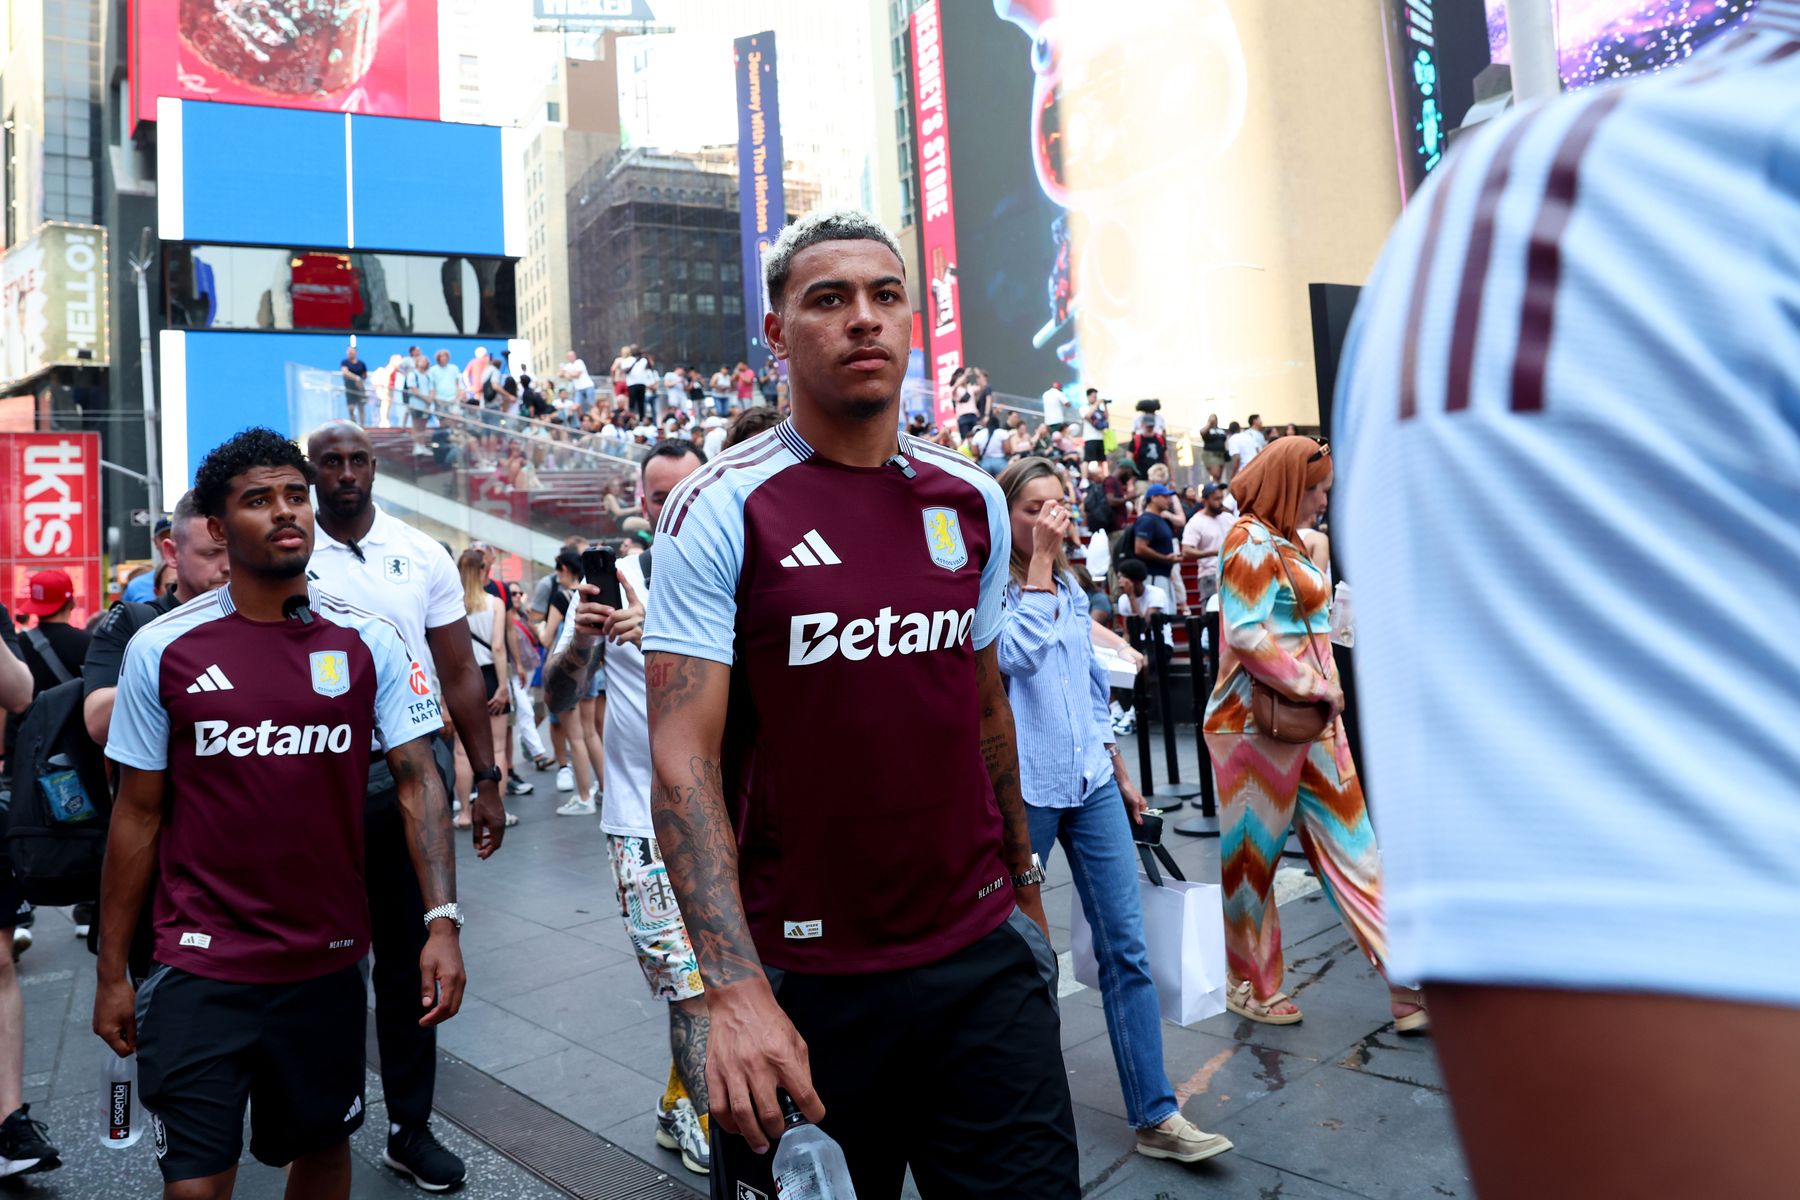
(1246, 444)
(646, 898)
(1056, 406)
(574, 371)
(640, 377)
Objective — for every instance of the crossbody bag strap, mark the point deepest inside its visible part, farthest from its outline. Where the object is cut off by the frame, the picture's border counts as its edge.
(45, 651)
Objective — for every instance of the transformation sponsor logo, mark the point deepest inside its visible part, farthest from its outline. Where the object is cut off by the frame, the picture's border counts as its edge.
(268, 738)
(813, 637)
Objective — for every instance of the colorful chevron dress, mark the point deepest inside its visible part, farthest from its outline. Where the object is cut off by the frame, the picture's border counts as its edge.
(1265, 785)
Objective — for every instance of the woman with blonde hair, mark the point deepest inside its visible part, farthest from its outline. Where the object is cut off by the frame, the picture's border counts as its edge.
(486, 615)
(1276, 735)
(1077, 791)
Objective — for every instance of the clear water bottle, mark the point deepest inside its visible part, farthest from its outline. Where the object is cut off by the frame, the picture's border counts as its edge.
(808, 1164)
(124, 1115)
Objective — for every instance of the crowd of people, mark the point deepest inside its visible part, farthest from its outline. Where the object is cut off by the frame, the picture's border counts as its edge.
(824, 588)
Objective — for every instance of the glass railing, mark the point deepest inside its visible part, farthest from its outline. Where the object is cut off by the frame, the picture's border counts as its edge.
(521, 484)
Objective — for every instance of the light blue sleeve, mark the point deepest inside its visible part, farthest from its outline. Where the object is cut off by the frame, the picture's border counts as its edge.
(693, 603)
(1100, 693)
(139, 734)
(1028, 629)
(402, 713)
(996, 572)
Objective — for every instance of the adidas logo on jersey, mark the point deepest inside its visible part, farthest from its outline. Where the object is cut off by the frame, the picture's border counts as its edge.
(355, 1110)
(811, 638)
(221, 737)
(811, 551)
(211, 680)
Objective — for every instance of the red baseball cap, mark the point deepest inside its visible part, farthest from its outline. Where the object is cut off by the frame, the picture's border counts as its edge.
(50, 590)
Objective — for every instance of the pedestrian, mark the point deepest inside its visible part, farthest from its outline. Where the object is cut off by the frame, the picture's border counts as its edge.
(933, 975)
(383, 565)
(720, 387)
(574, 372)
(587, 749)
(1586, 777)
(1245, 444)
(653, 921)
(1212, 444)
(1153, 535)
(1204, 536)
(355, 373)
(1275, 614)
(744, 380)
(769, 382)
(392, 388)
(264, 690)
(640, 375)
(1149, 445)
(1079, 792)
(481, 381)
(485, 614)
(55, 647)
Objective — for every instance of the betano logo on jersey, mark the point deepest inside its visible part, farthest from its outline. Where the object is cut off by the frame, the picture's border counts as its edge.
(811, 638)
(221, 737)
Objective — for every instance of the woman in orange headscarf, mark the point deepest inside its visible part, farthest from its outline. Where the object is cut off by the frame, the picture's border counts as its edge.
(1275, 611)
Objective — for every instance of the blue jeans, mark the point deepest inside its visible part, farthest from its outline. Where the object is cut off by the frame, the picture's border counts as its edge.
(1097, 839)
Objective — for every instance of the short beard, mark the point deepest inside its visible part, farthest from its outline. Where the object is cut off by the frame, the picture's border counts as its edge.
(284, 570)
(339, 513)
(865, 410)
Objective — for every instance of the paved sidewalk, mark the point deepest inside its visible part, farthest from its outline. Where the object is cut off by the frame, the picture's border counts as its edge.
(558, 1011)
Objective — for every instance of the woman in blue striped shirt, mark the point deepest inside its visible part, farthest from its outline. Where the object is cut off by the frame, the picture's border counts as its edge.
(1078, 792)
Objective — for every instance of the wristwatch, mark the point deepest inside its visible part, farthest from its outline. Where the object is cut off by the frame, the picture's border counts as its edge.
(453, 910)
(1030, 878)
(491, 774)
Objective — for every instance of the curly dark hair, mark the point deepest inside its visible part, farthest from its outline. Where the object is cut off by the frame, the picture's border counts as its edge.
(256, 447)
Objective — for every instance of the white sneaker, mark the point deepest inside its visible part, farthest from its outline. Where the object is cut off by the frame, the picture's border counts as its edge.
(565, 779)
(696, 1154)
(576, 808)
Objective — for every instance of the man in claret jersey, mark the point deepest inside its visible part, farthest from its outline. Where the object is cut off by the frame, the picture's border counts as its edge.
(836, 784)
(242, 728)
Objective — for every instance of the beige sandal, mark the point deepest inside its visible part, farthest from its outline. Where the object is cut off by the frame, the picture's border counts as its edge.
(1242, 1000)
(1415, 1023)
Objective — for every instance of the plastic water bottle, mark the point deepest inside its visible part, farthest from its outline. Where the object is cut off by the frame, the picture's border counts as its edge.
(124, 1115)
(808, 1164)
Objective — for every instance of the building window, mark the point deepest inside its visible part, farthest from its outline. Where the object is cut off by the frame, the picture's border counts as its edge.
(733, 305)
(552, 111)
(678, 302)
(729, 272)
(706, 304)
(653, 302)
(703, 270)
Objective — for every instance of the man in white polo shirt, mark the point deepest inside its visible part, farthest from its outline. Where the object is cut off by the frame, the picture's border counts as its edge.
(379, 563)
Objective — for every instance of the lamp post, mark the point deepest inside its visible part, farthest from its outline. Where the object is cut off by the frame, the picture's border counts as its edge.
(1531, 29)
(140, 269)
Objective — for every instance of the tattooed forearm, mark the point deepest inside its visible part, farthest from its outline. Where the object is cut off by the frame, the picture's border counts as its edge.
(426, 813)
(686, 699)
(1000, 755)
(689, 1028)
(566, 674)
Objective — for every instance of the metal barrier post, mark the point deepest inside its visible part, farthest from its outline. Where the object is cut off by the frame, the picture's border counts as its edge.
(1140, 697)
(1174, 793)
(1205, 672)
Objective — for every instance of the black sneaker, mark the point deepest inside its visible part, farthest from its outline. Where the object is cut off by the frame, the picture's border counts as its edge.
(25, 1147)
(516, 786)
(418, 1153)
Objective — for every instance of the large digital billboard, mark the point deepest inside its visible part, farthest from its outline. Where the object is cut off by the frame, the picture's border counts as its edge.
(365, 56)
(1601, 40)
(762, 208)
(1142, 192)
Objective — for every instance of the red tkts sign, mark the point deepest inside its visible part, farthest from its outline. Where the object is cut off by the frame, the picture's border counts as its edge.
(50, 514)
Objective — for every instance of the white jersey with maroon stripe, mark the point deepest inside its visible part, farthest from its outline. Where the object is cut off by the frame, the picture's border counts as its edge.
(1568, 442)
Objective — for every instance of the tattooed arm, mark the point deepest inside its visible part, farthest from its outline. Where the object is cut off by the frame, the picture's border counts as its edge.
(426, 813)
(1000, 753)
(753, 1047)
(575, 652)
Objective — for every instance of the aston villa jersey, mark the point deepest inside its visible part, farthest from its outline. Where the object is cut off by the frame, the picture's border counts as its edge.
(849, 603)
(265, 730)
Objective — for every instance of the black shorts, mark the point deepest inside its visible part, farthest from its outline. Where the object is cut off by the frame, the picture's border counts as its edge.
(954, 1068)
(292, 1051)
(1094, 450)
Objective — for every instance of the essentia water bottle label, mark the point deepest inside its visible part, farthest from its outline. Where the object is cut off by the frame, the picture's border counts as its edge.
(118, 1125)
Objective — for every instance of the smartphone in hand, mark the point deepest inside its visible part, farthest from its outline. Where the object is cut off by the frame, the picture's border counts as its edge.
(600, 567)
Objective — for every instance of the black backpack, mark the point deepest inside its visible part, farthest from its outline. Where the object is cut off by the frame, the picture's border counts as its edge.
(61, 802)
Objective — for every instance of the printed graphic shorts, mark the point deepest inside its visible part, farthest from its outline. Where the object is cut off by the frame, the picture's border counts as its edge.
(647, 902)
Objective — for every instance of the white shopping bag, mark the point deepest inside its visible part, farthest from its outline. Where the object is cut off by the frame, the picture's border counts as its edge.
(1184, 929)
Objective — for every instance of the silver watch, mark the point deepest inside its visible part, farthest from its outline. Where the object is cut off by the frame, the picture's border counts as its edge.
(1032, 877)
(453, 910)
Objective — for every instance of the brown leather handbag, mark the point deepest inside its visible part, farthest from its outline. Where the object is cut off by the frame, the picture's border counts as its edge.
(1277, 715)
